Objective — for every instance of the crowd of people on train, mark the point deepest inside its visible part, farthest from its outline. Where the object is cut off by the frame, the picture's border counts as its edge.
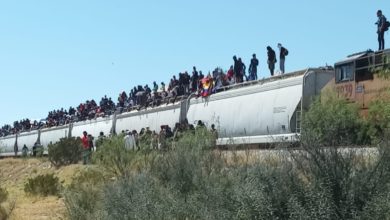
(144, 96)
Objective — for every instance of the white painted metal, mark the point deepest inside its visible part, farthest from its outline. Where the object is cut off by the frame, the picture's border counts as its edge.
(260, 112)
(93, 127)
(28, 139)
(7, 144)
(153, 118)
(53, 134)
(259, 139)
(250, 111)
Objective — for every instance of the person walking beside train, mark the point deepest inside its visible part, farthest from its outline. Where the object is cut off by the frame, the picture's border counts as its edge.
(282, 57)
(382, 27)
(86, 148)
(271, 60)
(130, 143)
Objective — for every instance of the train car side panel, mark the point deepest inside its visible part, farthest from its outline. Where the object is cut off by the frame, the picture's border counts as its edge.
(53, 135)
(259, 110)
(93, 127)
(7, 144)
(28, 139)
(153, 119)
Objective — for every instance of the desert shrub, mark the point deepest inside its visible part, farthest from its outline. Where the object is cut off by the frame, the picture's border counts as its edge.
(83, 197)
(333, 121)
(66, 151)
(3, 198)
(3, 195)
(5, 209)
(44, 185)
(177, 185)
(139, 197)
(113, 156)
(348, 179)
(191, 181)
(378, 118)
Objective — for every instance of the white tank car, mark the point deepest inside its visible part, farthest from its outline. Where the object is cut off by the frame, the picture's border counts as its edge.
(93, 127)
(52, 135)
(254, 112)
(152, 118)
(267, 111)
(7, 145)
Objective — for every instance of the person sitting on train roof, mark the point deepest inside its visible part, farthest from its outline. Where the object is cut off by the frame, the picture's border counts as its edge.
(155, 87)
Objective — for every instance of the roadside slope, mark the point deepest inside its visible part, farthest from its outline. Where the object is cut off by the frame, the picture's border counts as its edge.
(14, 174)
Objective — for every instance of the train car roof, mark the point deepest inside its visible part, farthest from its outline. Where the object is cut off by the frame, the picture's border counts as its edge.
(358, 55)
(277, 77)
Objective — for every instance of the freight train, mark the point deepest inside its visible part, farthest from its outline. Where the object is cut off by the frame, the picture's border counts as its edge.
(254, 112)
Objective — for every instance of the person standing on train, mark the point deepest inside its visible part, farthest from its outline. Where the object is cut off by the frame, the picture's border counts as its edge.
(271, 60)
(381, 23)
(237, 68)
(282, 57)
(253, 68)
(243, 70)
(86, 148)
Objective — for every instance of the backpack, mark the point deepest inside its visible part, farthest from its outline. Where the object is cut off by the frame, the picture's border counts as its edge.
(387, 25)
(285, 52)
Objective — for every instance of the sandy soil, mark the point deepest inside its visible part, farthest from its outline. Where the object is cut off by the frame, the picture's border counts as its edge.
(14, 174)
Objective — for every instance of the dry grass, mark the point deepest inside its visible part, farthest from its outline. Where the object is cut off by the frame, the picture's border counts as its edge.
(13, 175)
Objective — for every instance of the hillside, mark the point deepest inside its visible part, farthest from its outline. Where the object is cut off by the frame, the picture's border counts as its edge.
(13, 175)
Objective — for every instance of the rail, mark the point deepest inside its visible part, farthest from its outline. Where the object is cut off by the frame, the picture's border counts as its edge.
(372, 60)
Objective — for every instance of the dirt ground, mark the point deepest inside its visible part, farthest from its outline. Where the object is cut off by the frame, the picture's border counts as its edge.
(14, 174)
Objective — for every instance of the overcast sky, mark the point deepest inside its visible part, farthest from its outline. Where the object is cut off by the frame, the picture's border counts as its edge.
(57, 54)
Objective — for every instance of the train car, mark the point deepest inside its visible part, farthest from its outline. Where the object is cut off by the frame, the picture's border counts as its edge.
(254, 112)
(264, 112)
(357, 79)
(7, 145)
(151, 117)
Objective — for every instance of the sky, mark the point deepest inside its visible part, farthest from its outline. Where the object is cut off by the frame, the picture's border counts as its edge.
(56, 54)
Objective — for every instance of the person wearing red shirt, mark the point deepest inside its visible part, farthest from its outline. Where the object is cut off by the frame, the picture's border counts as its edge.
(87, 149)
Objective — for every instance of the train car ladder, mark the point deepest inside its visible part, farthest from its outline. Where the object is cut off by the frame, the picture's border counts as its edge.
(298, 120)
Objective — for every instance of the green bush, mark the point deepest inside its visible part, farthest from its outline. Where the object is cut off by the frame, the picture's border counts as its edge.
(66, 151)
(3, 195)
(44, 185)
(333, 121)
(5, 209)
(379, 118)
(83, 197)
(190, 181)
(113, 156)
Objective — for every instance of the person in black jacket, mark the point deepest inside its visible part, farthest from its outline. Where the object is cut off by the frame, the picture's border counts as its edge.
(237, 68)
(253, 68)
(381, 23)
(271, 60)
(282, 57)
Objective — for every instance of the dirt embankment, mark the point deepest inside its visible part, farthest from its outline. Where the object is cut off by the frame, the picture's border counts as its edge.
(14, 174)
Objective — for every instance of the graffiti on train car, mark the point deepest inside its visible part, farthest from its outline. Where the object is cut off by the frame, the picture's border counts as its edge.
(345, 90)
